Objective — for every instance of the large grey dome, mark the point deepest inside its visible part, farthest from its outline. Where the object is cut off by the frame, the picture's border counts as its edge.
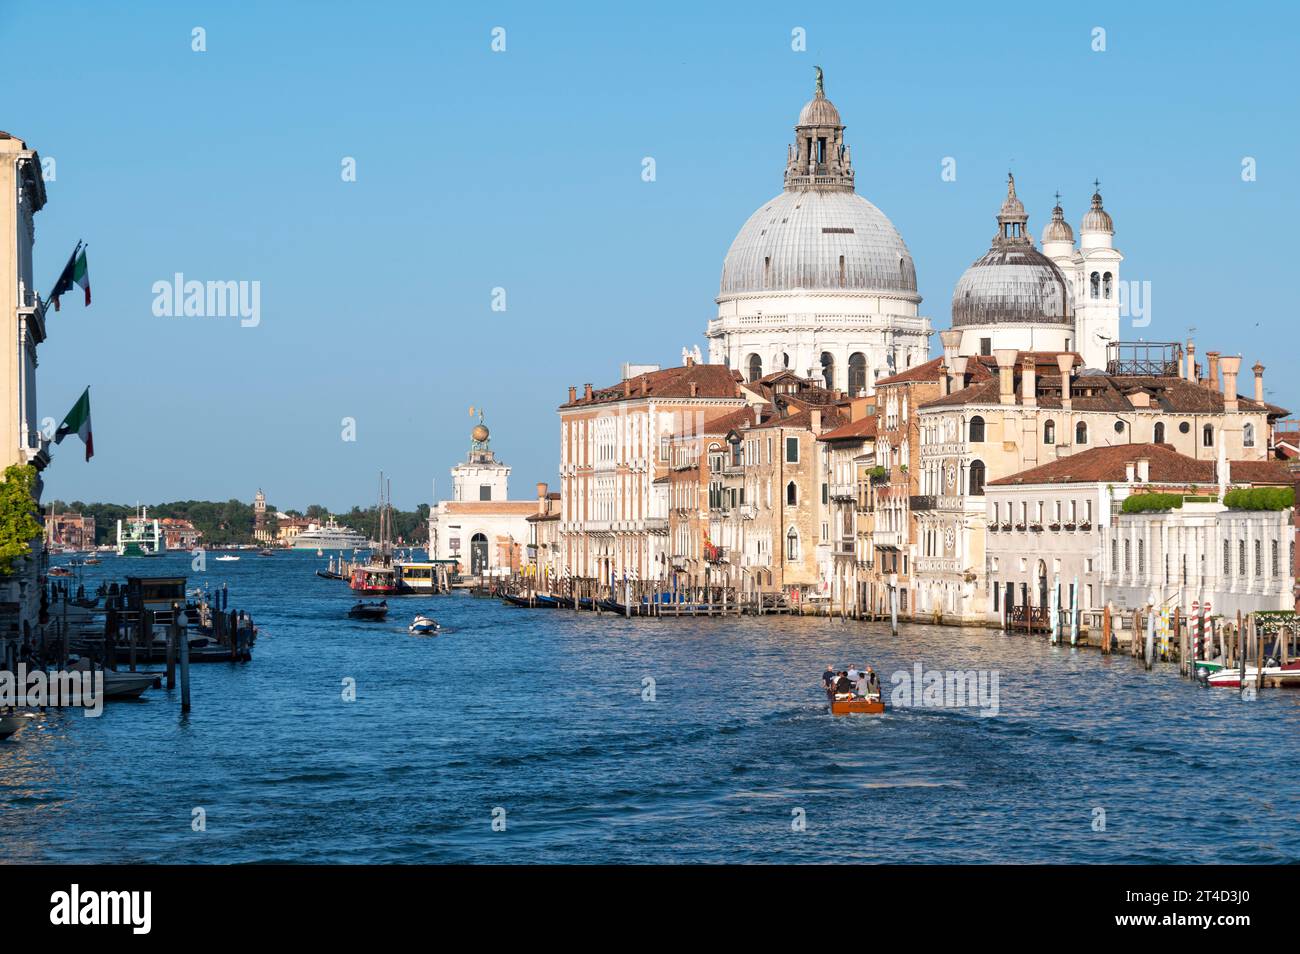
(808, 239)
(1012, 283)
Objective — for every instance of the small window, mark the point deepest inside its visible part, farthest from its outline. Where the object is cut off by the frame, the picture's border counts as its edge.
(977, 430)
(977, 478)
(1094, 285)
(1049, 432)
(1106, 282)
(1119, 427)
(792, 450)
(485, 492)
(1081, 433)
(986, 347)
(791, 494)
(1207, 436)
(1158, 435)
(1248, 435)
(792, 545)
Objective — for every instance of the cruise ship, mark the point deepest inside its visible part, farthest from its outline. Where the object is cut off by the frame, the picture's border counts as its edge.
(330, 537)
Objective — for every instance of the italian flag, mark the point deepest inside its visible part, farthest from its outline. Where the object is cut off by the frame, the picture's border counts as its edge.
(78, 422)
(81, 276)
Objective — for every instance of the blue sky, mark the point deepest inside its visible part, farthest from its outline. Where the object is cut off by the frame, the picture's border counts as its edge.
(521, 170)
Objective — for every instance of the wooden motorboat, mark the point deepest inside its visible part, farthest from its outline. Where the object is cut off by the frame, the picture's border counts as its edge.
(856, 705)
(59, 571)
(373, 612)
(423, 626)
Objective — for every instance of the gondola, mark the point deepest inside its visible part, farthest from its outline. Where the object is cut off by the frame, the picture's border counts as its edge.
(537, 601)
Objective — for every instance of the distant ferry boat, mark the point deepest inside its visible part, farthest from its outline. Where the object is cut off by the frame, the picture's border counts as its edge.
(139, 536)
(330, 537)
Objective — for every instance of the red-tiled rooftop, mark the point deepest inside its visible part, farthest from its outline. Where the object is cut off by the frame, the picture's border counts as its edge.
(1166, 466)
(855, 430)
(710, 380)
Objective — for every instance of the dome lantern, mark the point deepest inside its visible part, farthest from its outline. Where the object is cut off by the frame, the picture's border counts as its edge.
(819, 158)
(1097, 219)
(1058, 230)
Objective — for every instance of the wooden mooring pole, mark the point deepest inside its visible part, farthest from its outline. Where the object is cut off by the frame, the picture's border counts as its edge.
(185, 673)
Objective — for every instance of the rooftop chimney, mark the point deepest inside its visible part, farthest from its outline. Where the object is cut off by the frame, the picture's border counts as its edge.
(645, 385)
(573, 394)
(1029, 381)
(1143, 470)
(1231, 366)
(627, 388)
(695, 389)
(957, 378)
(1259, 382)
(758, 414)
(1191, 361)
(1129, 470)
(951, 343)
(945, 377)
(1066, 363)
(1006, 358)
(815, 417)
(1212, 375)
(541, 498)
(586, 392)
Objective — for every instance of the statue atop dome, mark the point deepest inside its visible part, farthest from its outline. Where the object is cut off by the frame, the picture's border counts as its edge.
(821, 90)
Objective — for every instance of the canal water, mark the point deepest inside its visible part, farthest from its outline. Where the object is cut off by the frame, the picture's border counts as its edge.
(543, 722)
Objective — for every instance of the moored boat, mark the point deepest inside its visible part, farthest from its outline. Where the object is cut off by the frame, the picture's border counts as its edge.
(1288, 675)
(9, 724)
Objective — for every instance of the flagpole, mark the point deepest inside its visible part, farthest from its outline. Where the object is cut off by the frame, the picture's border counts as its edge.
(45, 304)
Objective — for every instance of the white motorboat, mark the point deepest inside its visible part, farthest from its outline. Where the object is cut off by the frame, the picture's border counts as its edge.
(423, 626)
(1288, 675)
(227, 558)
(118, 685)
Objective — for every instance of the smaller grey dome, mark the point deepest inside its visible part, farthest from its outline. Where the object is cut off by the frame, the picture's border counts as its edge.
(1013, 284)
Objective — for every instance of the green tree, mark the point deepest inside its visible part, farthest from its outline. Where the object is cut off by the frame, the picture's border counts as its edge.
(18, 523)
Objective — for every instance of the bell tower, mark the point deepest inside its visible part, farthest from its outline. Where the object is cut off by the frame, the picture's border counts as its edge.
(1097, 304)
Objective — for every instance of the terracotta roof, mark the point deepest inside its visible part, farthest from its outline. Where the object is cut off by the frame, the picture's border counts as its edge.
(1167, 466)
(856, 430)
(711, 381)
(1106, 392)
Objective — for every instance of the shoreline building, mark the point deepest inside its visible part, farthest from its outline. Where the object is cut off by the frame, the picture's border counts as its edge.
(1034, 408)
(69, 531)
(616, 447)
(480, 526)
(818, 281)
(1063, 525)
(23, 189)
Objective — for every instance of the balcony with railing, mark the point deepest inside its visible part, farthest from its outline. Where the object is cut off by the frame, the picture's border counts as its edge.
(922, 502)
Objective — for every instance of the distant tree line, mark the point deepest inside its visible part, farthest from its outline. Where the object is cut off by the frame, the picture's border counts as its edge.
(232, 522)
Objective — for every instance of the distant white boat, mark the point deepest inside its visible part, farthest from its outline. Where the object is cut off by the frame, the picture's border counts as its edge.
(423, 626)
(227, 558)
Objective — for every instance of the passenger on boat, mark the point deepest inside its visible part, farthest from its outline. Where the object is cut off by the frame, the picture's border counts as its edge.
(870, 684)
(828, 679)
(854, 676)
(843, 688)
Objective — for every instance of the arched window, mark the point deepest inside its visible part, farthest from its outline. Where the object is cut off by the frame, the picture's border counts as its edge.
(1094, 285)
(857, 374)
(1159, 433)
(792, 545)
(977, 478)
(1049, 432)
(977, 430)
(1248, 435)
(785, 360)
(828, 369)
(1081, 433)
(1207, 435)
(478, 554)
(791, 494)
(755, 367)
(1105, 285)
